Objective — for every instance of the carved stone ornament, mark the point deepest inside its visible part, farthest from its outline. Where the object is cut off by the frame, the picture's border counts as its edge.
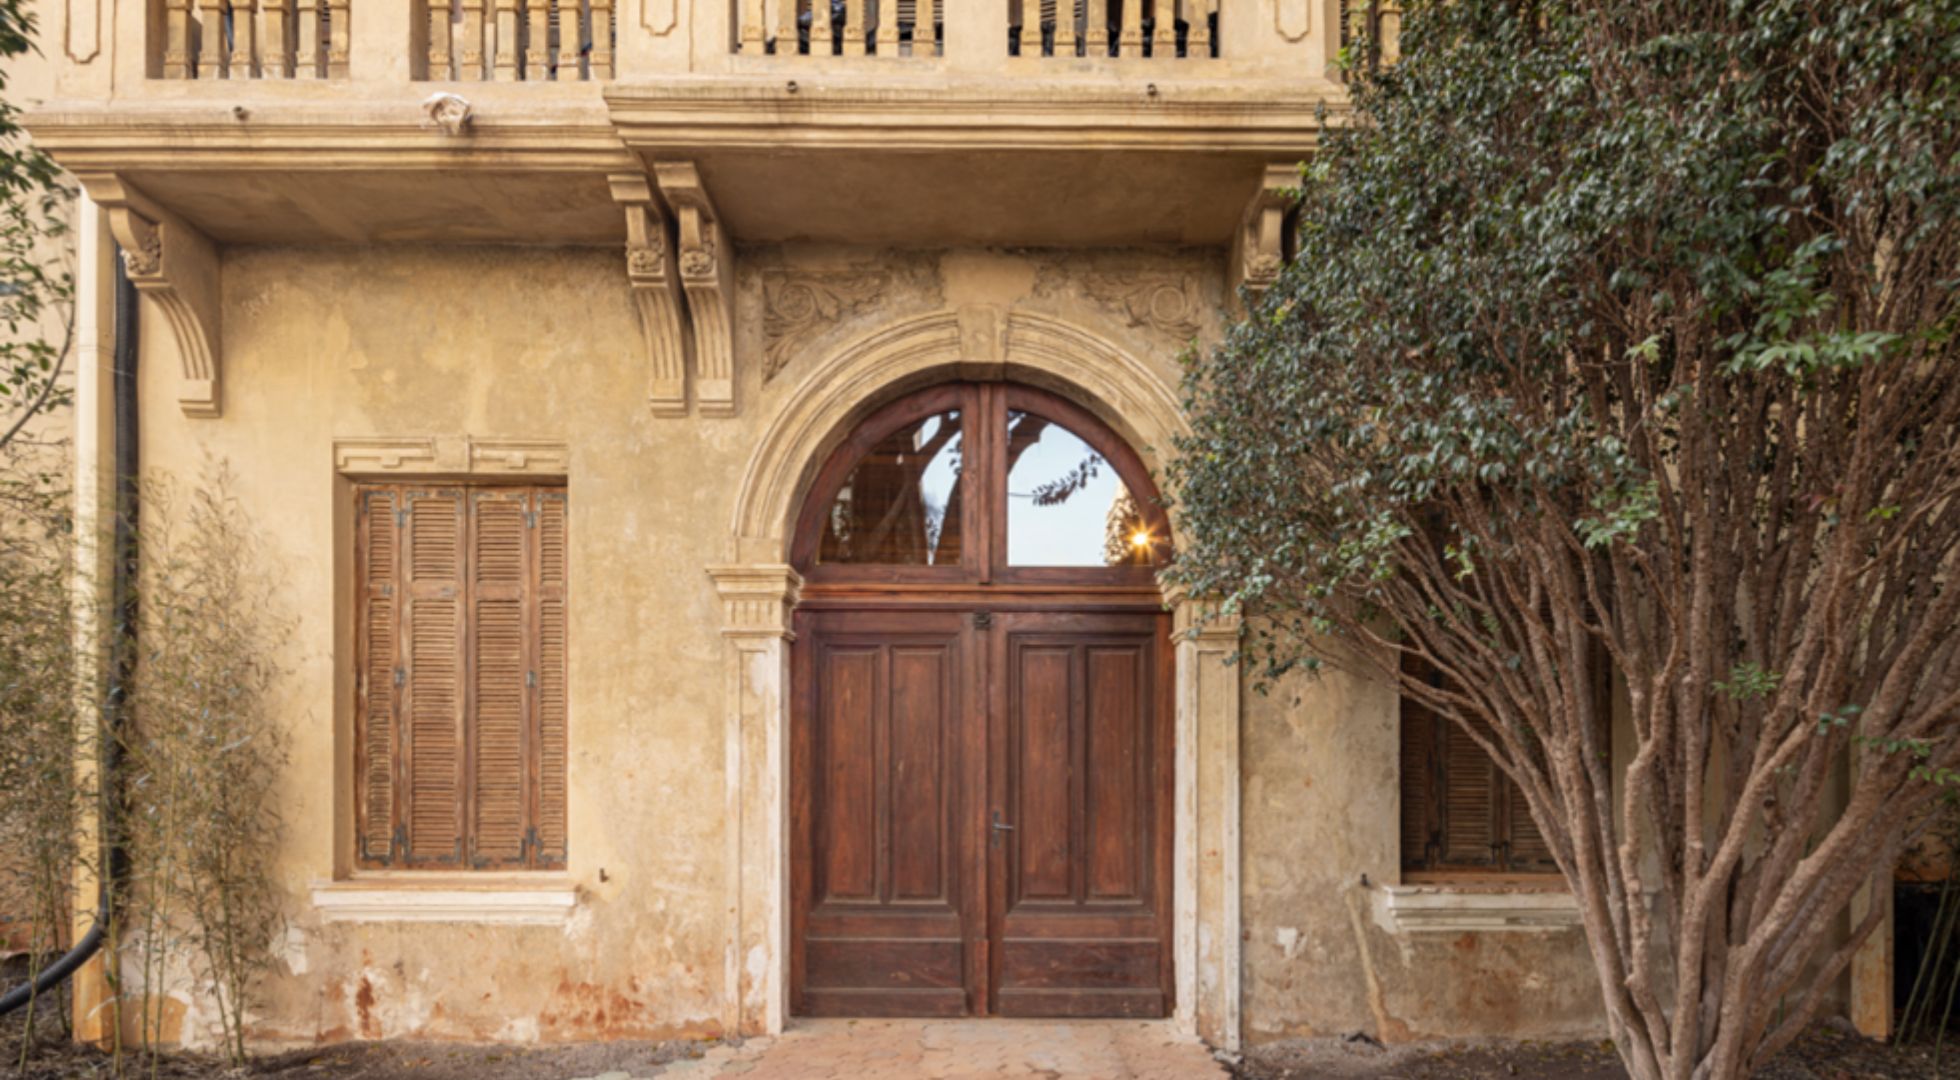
(175, 267)
(708, 280)
(798, 306)
(1164, 301)
(699, 261)
(648, 259)
(1265, 232)
(145, 260)
(440, 455)
(656, 292)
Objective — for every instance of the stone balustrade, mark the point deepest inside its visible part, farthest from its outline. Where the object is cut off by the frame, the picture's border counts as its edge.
(597, 40)
(516, 40)
(255, 39)
(1137, 29)
(890, 28)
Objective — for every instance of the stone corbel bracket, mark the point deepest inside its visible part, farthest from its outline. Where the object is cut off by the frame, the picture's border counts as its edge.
(1260, 247)
(708, 278)
(176, 267)
(656, 291)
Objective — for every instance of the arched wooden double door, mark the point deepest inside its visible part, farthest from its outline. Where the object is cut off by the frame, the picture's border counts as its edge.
(980, 753)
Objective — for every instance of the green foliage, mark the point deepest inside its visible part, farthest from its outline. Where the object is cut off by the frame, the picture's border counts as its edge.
(204, 752)
(41, 796)
(1514, 187)
(36, 281)
(1628, 326)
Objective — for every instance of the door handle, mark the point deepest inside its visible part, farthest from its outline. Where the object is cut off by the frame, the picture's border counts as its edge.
(997, 828)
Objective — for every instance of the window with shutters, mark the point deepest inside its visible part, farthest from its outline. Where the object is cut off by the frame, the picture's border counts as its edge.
(460, 725)
(1460, 812)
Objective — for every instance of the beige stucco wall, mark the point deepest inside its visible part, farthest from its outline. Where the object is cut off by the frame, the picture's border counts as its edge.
(527, 343)
(1321, 842)
(336, 343)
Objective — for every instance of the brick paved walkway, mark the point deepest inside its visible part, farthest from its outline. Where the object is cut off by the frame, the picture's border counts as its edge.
(961, 1049)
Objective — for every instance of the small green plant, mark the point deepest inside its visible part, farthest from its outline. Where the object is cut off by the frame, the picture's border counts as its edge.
(205, 750)
(41, 797)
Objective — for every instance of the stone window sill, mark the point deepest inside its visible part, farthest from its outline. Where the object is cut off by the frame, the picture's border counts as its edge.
(1438, 907)
(502, 899)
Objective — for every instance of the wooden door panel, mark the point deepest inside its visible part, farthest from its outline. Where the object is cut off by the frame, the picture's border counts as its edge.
(881, 886)
(1080, 915)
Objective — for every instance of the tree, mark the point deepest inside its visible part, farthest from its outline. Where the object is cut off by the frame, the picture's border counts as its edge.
(35, 282)
(1631, 324)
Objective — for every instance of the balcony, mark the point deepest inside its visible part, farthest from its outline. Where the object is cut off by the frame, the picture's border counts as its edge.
(904, 122)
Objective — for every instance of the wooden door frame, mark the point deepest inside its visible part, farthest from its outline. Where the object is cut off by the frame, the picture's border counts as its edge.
(758, 589)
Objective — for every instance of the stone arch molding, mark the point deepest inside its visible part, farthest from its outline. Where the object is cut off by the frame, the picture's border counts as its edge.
(968, 343)
(757, 590)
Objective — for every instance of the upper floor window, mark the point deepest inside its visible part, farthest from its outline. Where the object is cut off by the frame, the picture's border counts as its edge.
(460, 719)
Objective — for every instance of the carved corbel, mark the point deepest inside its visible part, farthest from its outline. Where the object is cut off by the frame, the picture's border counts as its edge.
(708, 278)
(656, 291)
(1259, 249)
(176, 267)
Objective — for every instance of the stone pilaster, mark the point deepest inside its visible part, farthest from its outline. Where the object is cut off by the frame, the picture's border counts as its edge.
(1206, 887)
(756, 603)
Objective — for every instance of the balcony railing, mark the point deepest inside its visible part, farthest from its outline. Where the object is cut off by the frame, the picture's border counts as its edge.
(840, 28)
(516, 40)
(586, 40)
(254, 39)
(1159, 29)
(1156, 29)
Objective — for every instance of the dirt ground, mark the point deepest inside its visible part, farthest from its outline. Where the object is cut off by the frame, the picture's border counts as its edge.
(1828, 1052)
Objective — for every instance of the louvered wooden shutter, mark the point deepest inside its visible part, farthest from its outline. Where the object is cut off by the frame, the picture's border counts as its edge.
(432, 687)
(375, 732)
(1459, 810)
(502, 674)
(553, 741)
(460, 725)
(1469, 783)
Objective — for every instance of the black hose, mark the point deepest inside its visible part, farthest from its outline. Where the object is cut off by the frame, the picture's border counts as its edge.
(123, 600)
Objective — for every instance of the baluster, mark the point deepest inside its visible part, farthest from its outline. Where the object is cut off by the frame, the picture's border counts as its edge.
(602, 31)
(1095, 36)
(887, 33)
(820, 44)
(177, 40)
(537, 42)
(1390, 28)
(1198, 44)
(439, 39)
(469, 51)
(505, 49)
(275, 50)
(1129, 41)
(306, 39)
(1064, 27)
(568, 41)
(244, 29)
(853, 28)
(749, 42)
(211, 48)
(1163, 44)
(786, 29)
(337, 39)
(1030, 27)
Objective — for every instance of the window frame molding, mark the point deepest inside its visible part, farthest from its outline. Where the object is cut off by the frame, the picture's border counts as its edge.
(350, 892)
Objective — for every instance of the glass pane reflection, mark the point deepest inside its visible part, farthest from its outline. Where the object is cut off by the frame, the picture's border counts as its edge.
(1065, 504)
(900, 504)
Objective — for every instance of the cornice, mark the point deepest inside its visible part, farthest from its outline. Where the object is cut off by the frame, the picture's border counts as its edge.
(1236, 115)
(358, 137)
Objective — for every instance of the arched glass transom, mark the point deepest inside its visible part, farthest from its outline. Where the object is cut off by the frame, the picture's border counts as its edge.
(982, 483)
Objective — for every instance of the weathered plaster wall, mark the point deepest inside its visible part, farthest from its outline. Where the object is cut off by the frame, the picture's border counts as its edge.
(1321, 812)
(333, 343)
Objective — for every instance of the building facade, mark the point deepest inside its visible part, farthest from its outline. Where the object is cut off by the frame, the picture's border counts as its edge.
(710, 449)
